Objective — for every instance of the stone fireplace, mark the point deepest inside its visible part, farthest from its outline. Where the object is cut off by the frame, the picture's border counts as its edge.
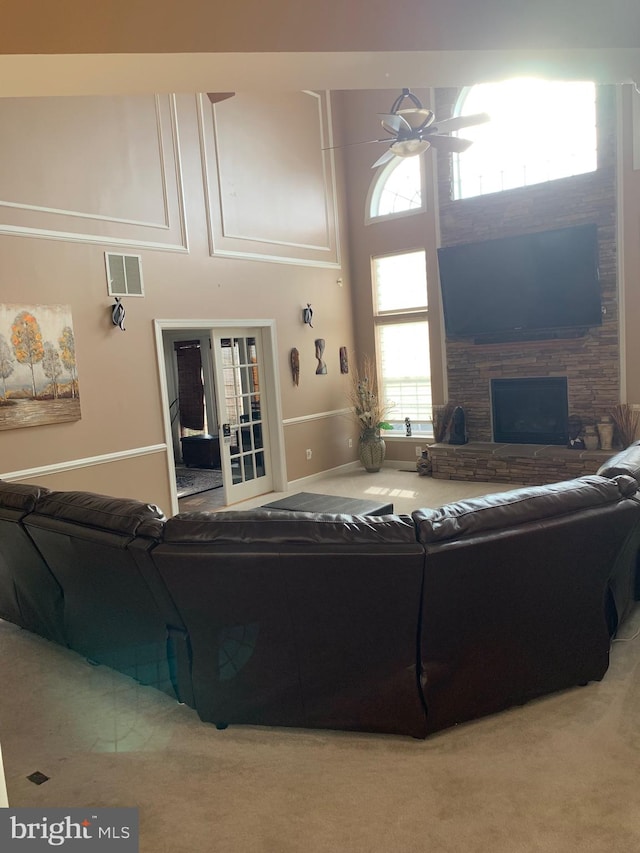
(589, 365)
(530, 410)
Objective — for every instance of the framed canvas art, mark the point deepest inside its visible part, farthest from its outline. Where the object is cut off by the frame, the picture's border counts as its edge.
(38, 370)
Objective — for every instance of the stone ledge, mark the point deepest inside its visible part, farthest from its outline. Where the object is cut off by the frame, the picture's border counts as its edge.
(528, 464)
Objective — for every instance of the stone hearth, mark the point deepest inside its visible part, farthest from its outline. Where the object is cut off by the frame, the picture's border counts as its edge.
(529, 464)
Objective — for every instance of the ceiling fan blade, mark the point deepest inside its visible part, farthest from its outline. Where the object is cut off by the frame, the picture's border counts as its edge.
(394, 123)
(214, 97)
(349, 144)
(449, 143)
(388, 155)
(455, 123)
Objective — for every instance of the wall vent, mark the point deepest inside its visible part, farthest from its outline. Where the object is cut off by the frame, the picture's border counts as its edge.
(124, 274)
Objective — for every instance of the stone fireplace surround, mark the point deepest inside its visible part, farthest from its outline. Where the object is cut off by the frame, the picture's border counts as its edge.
(528, 464)
(590, 363)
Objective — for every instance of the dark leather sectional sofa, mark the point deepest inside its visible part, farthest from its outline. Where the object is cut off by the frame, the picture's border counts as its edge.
(396, 624)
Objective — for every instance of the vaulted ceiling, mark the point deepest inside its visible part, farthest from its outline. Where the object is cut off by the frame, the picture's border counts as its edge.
(129, 46)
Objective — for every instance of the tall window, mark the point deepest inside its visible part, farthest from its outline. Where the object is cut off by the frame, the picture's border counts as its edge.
(397, 189)
(540, 130)
(402, 337)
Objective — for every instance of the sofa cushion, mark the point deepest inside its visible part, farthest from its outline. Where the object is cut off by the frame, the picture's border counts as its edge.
(507, 509)
(625, 462)
(20, 496)
(117, 515)
(262, 526)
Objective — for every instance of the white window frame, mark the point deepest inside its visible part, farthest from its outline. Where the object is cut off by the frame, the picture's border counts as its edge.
(422, 428)
(377, 186)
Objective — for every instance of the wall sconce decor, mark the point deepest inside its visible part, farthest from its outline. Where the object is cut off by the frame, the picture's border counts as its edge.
(344, 360)
(307, 315)
(118, 314)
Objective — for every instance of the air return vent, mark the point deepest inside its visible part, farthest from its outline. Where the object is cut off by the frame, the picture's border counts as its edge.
(124, 275)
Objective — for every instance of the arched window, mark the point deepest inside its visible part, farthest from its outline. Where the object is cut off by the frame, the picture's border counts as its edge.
(397, 189)
(540, 130)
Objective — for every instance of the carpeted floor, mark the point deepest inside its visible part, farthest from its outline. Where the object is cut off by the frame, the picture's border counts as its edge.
(192, 481)
(558, 775)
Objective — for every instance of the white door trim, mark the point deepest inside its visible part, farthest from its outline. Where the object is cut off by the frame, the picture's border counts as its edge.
(272, 388)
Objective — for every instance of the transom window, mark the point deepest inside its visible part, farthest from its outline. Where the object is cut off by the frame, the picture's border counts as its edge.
(540, 130)
(402, 337)
(397, 189)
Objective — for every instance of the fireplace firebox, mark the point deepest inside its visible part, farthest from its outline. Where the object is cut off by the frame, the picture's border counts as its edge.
(530, 411)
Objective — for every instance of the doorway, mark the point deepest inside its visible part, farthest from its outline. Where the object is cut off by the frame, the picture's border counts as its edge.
(231, 399)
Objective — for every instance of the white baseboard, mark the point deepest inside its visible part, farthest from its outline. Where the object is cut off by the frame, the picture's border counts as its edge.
(312, 478)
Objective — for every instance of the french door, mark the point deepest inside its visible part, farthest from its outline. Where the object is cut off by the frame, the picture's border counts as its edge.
(242, 415)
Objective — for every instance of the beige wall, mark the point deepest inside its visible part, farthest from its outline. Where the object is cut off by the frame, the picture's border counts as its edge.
(121, 404)
(359, 112)
(629, 184)
(75, 172)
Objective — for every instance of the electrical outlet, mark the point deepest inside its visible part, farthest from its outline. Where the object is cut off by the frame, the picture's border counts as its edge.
(309, 454)
(350, 442)
(418, 452)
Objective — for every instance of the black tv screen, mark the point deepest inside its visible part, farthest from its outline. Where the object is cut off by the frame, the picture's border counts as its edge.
(514, 286)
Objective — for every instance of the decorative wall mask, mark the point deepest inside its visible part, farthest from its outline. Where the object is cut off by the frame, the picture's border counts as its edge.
(344, 360)
(307, 315)
(38, 372)
(294, 358)
(322, 367)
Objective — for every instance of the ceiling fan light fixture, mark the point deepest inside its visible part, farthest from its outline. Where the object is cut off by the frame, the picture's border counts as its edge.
(418, 118)
(409, 147)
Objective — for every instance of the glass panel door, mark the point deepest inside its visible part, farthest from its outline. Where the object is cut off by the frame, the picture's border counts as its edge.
(244, 440)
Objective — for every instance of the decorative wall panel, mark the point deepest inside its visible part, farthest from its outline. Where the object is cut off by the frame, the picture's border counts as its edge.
(93, 169)
(269, 185)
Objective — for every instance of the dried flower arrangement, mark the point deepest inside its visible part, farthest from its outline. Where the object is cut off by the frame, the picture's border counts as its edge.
(370, 411)
(626, 421)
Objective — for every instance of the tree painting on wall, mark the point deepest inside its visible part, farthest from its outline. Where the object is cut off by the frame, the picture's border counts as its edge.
(38, 370)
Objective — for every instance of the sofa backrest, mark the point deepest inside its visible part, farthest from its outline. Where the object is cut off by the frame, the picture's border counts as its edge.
(299, 618)
(627, 461)
(29, 594)
(515, 507)
(271, 528)
(116, 609)
(516, 590)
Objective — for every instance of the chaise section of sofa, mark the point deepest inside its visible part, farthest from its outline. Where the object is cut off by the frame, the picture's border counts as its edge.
(117, 612)
(299, 619)
(30, 596)
(517, 591)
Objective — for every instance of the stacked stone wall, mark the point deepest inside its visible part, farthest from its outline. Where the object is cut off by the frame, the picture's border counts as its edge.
(590, 363)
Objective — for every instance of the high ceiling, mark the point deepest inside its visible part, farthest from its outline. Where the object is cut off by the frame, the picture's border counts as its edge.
(76, 47)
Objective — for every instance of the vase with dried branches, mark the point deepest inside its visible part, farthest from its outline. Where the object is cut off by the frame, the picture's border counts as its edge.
(371, 413)
(626, 422)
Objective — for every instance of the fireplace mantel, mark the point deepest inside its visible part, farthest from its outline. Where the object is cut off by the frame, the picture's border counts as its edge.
(527, 464)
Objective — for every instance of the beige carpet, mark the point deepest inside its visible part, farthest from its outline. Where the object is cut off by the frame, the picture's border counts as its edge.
(559, 775)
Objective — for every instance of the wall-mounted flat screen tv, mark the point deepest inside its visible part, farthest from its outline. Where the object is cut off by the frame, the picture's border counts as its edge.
(514, 287)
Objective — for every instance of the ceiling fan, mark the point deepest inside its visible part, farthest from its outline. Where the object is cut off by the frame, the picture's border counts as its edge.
(413, 129)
